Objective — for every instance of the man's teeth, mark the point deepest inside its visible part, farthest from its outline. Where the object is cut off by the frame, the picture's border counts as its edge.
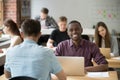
(74, 35)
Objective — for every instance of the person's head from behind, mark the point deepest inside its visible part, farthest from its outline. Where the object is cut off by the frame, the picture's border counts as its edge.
(62, 23)
(44, 13)
(75, 30)
(101, 30)
(31, 28)
(10, 27)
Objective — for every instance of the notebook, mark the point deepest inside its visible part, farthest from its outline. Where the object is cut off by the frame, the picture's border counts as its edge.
(105, 52)
(72, 66)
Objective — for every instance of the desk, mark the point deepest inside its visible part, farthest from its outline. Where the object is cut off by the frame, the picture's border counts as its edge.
(86, 31)
(4, 41)
(112, 76)
(114, 62)
(2, 77)
(46, 31)
(5, 44)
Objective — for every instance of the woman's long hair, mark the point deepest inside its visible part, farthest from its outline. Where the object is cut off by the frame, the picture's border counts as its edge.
(98, 38)
(12, 27)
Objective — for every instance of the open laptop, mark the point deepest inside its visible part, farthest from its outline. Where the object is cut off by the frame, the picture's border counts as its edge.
(105, 52)
(72, 66)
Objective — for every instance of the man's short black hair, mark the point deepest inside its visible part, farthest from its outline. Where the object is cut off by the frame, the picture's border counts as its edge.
(45, 10)
(30, 27)
(75, 21)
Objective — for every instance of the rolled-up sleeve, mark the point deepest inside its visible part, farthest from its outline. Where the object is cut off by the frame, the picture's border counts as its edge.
(55, 65)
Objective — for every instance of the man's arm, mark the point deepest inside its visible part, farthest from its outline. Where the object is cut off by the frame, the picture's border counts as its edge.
(53, 23)
(50, 43)
(7, 74)
(100, 67)
(102, 64)
(61, 75)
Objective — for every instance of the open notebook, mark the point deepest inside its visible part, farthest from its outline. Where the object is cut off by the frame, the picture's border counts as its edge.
(72, 66)
(105, 52)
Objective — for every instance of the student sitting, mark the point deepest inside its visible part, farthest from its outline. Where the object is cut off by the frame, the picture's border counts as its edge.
(11, 28)
(103, 39)
(58, 35)
(76, 46)
(30, 59)
(47, 22)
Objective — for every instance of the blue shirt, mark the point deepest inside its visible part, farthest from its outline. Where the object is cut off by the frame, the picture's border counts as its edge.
(29, 59)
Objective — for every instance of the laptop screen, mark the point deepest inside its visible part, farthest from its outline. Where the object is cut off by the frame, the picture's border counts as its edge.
(72, 66)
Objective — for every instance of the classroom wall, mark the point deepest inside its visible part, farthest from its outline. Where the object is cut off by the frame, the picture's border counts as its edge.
(88, 12)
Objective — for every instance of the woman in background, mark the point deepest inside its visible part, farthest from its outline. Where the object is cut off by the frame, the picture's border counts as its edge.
(11, 28)
(103, 39)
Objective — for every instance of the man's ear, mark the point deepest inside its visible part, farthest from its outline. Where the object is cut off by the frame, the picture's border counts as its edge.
(81, 30)
(68, 32)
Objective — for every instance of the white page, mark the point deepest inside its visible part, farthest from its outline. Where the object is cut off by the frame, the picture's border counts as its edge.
(117, 58)
(98, 74)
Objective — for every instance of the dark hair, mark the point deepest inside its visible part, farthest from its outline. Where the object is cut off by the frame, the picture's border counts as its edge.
(74, 21)
(30, 27)
(12, 26)
(45, 10)
(63, 19)
(98, 38)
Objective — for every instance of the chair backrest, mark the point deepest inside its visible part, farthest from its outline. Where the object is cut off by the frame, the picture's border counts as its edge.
(105, 52)
(22, 78)
(86, 37)
(118, 39)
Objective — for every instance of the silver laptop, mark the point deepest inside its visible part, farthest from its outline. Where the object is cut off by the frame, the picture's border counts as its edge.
(72, 66)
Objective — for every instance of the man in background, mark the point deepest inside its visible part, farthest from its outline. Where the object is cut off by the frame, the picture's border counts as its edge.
(47, 22)
(58, 35)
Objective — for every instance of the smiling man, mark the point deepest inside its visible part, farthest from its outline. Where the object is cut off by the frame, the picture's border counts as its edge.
(76, 46)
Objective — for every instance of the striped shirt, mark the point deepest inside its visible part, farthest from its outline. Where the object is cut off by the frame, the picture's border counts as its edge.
(86, 49)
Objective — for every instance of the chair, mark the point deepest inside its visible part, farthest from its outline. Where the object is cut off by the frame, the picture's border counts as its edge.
(86, 37)
(22, 78)
(118, 39)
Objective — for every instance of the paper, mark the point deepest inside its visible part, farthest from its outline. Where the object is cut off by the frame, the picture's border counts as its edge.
(117, 58)
(97, 74)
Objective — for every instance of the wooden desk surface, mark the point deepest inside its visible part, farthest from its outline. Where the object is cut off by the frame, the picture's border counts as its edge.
(46, 31)
(2, 77)
(112, 74)
(114, 62)
(5, 44)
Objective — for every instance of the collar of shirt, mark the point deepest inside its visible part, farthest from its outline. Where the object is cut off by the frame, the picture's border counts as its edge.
(29, 41)
(80, 45)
